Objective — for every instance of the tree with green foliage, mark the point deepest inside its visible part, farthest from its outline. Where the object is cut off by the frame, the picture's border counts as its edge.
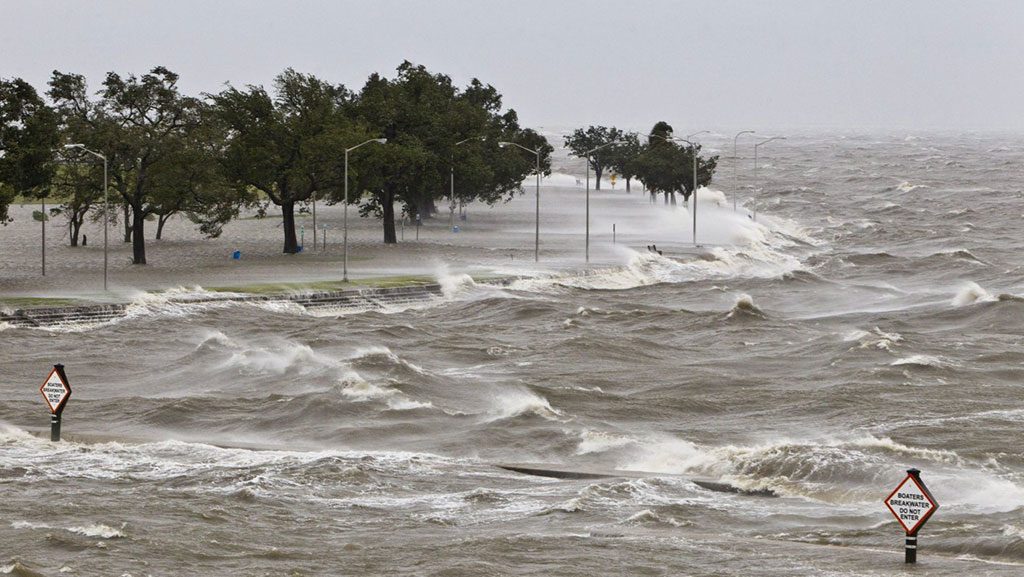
(424, 115)
(286, 146)
(666, 166)
(623, 157)
(28, 137)
(148, 130)
(583, 140)
(78, 186)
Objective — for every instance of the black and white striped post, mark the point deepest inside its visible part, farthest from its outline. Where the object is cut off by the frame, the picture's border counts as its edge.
(911, 549)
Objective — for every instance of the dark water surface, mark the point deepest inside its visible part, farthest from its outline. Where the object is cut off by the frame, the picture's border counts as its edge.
(870, 321)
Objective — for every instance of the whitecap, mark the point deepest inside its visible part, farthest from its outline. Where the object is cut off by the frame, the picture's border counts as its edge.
(972, 293)
(599, 442)
(522, 402)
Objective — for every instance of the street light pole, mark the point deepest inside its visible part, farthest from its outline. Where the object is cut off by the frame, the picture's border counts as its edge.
(587, 156)
(451, 195)
(536, 233)
(735, 166)
(344, 266)
(753, 208)
(106, 205)
(694, 148)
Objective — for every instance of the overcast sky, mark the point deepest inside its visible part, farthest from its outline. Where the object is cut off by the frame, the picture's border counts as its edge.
(713, 64)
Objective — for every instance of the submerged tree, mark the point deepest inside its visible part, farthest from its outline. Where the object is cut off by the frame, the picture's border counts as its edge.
(583, 140)
(624, 157)
(425, 116)
(666, 166)
(28, 136)
(146, 128)
(78, 187)
(286, 146)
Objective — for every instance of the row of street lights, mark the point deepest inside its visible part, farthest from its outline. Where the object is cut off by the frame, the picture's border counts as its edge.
(503, 144)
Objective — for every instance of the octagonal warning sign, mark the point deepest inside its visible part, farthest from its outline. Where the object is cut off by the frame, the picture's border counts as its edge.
(911, 503)
(56, 390)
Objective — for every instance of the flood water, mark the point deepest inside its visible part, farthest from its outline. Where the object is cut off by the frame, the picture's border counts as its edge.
(869, 321)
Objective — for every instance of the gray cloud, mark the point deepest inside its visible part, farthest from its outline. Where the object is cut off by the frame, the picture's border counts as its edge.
(712, 64)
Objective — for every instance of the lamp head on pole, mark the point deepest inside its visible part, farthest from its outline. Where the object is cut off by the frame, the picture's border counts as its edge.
(381, 140)
(68, 146)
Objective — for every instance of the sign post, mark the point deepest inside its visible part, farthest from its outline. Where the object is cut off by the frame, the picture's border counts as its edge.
(56, 391)
(912, 504)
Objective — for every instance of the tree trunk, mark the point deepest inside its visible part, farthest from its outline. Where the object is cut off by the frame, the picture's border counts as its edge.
(291, 245)
(598, 170)
(74, 226)
(127, 225)
(138, 236)
(627, 183)
(673, 198)
(161, 220)
(388, 209)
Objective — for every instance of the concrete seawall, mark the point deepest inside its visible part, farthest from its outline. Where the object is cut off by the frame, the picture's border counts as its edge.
(364, 298)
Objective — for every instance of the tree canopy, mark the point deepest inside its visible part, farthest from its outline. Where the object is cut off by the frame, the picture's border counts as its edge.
(665, 165)
(583, 140)
(424, 116)
(28, 136)
(286, 146)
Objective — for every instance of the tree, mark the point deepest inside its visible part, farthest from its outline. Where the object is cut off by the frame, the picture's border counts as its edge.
(147, 130)
(423, 115)
(78, 186)
(583, 140)
(624, 156)
(285, 146)
(28, 137)
(666, 166)
(196, 184)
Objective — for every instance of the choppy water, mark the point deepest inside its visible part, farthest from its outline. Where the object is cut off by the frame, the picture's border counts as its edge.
(871, 320)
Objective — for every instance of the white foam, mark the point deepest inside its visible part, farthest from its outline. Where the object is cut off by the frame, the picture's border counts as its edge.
(907, 187)
(744, 304)
(970, 294)
(599, 442)
(99, 530)
(876, 338)
(522, 402)
(922, 361)
(276, 359)
(358, 389)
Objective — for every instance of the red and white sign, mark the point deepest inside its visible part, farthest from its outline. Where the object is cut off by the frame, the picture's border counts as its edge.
(56, 390)
(911, 503)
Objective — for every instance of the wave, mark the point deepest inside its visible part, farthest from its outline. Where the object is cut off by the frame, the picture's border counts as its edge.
(828, 469)
(923, 361)
(906, 187)
(869, 258)
(876, 338)
(521, 402)
(600, 442)
(647, 516)
(745, 308)
(279, 356)
(972, 293)
(357, 389)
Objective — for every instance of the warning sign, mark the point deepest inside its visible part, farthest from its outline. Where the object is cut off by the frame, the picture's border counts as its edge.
(56, 390)
(911, 503)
